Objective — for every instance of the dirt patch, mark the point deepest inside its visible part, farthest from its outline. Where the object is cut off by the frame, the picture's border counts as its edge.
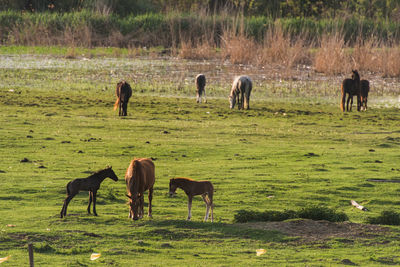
(311, 231)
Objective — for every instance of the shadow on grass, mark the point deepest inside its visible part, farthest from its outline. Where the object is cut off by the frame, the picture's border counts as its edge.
(181, 229)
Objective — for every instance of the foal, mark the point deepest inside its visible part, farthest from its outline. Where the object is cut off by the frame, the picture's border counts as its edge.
(200, 87)
(91, 184)
(193, 188)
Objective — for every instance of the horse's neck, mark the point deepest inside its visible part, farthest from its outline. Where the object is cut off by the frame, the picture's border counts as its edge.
(184, 185)
(100, 177)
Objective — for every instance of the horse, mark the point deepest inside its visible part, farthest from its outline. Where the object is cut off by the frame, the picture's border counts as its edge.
(139, 177)
(200, 88)
(352, 88)
(91, 184)
(123, 92)
(193, 188)
(364, 87)
(241, 89)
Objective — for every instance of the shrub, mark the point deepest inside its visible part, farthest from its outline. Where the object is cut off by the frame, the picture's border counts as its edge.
(312, 212)
(386, 217)
(322, 213)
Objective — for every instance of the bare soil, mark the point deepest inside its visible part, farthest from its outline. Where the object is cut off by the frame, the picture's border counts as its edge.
(314, 231)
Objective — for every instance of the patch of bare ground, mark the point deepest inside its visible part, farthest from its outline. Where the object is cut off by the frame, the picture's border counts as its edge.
(311, 231)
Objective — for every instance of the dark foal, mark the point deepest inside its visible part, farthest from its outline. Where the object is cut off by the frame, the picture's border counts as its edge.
(352, 88)
(193, 188)
(200, 88)
(91, 184)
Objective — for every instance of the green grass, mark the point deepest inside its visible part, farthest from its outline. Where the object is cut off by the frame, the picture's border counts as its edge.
(281, 154)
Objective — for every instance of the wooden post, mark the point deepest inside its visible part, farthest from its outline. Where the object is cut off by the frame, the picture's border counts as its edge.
(30, 249)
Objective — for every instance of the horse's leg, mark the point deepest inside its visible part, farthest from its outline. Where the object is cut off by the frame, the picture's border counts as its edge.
(204, 196)
(198, 97)
(90, 201)
(238, 100)
(125, 109)
(343, 101)
(205, 99)
(247, 99)
(211, 203)
(348, 101)
(358, 102)
(351, 103)
(189, 208)
(94, 203)
(65, 206)
(150, 199)
(242, 99)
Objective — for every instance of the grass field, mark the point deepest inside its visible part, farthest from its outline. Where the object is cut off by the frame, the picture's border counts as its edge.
(287, 152)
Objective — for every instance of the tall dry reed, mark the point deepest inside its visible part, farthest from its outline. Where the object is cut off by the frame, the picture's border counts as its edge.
(331, 56)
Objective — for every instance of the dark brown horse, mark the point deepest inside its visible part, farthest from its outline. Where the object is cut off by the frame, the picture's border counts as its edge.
(139, 177)
(240, 92)
(123, 92)
(352, 88)
(193, 188)
(200, 88)
(364, 93)
(91, 184)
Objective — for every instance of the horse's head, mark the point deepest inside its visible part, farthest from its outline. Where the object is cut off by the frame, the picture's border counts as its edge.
(232, 101)
(355, 75)
(134, 203)
(111, 173)
(172, 187)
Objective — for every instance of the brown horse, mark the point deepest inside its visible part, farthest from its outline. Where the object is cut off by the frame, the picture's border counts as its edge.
(91, 184)
(123, 92)
(352, 88)
(193, 188)
(240, 92)
(139, 177)
(200, 87)
(364, 84)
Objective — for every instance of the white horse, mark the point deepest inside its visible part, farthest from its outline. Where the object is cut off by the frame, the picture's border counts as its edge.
(240, 92)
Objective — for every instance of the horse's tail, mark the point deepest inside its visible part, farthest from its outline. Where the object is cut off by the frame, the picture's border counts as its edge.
(342, 102)
(116, 104)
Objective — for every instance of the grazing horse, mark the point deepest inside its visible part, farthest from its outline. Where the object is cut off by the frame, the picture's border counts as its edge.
(193, 188)
(139, 177)
(352, 88)
(123, 92)
(241, 89)
(364, 84)
(200, 87)
(91, 184)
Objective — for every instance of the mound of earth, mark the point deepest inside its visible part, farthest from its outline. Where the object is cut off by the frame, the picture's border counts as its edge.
(310, 230)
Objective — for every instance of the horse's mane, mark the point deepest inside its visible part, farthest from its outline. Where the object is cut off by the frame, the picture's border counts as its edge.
(137, 173)
(183, 178)
(99, 171)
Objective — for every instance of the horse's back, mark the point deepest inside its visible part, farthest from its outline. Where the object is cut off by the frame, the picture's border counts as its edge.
(147, 173)
(200, 81)
(347, 85)
(126, 92)
(241, 84)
